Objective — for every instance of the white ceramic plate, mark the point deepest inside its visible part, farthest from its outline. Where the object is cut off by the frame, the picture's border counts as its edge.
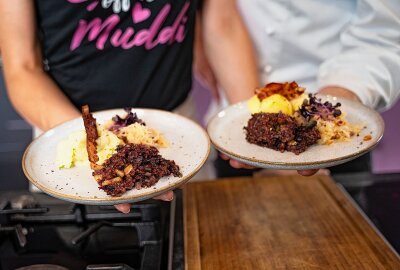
(189, 147)
(228, 136)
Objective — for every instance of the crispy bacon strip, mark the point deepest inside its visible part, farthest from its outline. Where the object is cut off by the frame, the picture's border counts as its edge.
(288, 90)
(91, 136)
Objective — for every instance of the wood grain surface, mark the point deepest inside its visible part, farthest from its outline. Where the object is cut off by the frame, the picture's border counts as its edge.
(289, 222)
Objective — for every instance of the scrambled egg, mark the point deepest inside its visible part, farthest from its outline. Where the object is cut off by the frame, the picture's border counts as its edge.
(72, 151)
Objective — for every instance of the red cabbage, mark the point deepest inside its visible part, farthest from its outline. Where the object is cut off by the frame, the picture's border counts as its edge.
(129, 119)
(315, 107)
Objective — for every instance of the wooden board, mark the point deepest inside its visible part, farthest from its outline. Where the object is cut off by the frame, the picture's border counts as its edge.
(290, 222)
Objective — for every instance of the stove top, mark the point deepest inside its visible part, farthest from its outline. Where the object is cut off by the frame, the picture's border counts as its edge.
(378, 195)
(41, 232)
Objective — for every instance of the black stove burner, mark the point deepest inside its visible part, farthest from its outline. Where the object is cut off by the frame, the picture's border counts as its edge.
(43, 267)
(40, 232)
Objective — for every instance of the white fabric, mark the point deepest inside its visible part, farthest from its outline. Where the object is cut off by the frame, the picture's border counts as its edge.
(354, 44)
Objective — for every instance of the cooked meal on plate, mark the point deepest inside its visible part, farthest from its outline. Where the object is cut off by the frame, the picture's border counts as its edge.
(285, 118)
(123, 153)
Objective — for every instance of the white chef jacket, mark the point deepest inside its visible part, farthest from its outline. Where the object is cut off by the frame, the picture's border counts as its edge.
(353, 44)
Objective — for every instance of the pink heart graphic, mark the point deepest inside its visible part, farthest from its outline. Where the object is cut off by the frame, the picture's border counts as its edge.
(140, 14)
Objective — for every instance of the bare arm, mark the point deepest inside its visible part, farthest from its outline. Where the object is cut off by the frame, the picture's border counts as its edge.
(229, 49)
(33, 93)
(201, 66)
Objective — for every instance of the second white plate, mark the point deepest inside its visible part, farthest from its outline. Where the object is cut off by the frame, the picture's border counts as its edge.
(228, 136)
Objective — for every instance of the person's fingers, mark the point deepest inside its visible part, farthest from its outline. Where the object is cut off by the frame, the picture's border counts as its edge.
(324, 172)
(307, 172)
(124, 208)
(223, 156)
(167, 196)
(234, 163)
(239, 165)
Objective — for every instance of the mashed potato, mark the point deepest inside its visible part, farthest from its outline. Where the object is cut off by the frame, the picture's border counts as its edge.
(254, 104)
(69, 151)
(106, 144)
(273, 104)
(72, 151)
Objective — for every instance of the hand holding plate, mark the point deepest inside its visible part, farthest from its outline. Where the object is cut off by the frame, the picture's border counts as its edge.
(239, 165)
(126, 207)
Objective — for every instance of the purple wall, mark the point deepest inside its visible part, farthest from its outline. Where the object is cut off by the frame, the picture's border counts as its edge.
(202, 98)
(385, 157)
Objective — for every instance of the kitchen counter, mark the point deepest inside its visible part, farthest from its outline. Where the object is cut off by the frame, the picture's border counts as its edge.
(279, 223)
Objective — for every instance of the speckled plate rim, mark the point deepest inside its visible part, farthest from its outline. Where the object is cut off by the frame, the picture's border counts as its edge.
(117, 200)
(298, 165)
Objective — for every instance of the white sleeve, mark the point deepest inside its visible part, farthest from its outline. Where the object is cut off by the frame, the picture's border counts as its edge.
(369, 64)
